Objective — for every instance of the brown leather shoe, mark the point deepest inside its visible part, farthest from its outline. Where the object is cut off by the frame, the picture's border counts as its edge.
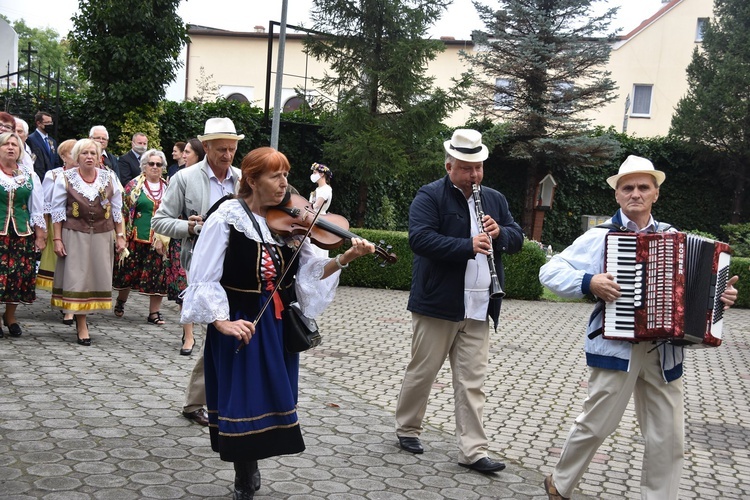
(199, 416)
(549, 487)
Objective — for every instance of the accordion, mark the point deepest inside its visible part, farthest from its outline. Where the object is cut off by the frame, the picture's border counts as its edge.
(670, 283)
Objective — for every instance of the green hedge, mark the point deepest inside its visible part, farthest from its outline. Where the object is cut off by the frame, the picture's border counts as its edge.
(522, 272)
(521, 269)
(740, 266)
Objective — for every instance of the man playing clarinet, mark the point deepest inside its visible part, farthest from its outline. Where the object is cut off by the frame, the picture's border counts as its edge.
(650, 371)
(457, 266)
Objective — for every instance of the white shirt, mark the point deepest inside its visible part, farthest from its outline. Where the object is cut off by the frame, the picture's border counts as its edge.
(219, 189)
(477, 277)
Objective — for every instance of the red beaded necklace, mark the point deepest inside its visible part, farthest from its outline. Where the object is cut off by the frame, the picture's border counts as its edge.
(80, 174)
(156, 196)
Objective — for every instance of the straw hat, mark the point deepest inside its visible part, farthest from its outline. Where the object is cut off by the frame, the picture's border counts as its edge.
(219, 128)
(466, 145)
(636, 165)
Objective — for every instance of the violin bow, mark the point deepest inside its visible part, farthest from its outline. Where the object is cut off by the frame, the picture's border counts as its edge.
(283, 274)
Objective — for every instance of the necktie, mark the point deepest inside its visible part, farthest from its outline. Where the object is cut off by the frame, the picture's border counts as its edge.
(50, 145)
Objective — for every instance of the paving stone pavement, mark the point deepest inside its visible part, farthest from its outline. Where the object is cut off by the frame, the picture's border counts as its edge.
(103, 422)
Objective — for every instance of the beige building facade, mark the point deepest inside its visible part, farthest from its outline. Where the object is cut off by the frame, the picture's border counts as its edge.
(648, 65)
(238, 63)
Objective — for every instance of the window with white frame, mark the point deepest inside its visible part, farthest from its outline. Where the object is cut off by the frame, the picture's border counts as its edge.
(700, 28)
(642, 100)
(503, 98)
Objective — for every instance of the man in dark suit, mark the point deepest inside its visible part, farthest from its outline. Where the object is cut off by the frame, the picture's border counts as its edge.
(130, 162)
(99, 134)
(43, 145)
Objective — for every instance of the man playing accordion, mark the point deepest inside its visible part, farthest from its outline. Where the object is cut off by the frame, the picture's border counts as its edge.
(650, 371)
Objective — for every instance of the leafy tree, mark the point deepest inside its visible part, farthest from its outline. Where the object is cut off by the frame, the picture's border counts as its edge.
(207, 89)
(540, 66)
(52, 55)
(385, 120)
(715, 109)
(129, 52)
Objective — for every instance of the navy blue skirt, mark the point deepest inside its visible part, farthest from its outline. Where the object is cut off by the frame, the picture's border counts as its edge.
(252, 395)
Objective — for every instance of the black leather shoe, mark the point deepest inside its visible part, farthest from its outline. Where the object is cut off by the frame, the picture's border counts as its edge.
(198, 416)
(256, 479)
(14, 328)
(485, 465)
(410, 444)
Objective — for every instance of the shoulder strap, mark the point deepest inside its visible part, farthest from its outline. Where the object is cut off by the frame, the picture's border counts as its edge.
(268, 248)
(611, 226)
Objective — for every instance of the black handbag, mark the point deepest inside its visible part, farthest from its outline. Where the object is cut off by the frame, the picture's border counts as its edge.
(300, 332)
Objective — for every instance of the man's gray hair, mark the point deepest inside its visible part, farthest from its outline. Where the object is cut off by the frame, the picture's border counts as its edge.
(98, 127)
(24, 124)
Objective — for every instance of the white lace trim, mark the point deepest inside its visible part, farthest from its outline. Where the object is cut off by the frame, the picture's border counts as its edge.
(38, 221)
(88, 191)
(233, 213)
(58, 215)
(314, 294)
(13, 183)
(204, 302)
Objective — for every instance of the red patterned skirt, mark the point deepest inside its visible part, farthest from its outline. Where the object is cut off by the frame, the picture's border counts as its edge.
(144, 270)
(176, 276)
(17, 268)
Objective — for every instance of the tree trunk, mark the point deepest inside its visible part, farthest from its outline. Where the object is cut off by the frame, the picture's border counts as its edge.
(362, 205)
(529, 198)
(738, 195)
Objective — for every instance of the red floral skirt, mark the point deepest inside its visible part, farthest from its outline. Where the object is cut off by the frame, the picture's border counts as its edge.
(17, 268)
(144, 270)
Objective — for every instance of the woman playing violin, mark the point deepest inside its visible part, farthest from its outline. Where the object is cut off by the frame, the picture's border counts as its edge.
(251, 393)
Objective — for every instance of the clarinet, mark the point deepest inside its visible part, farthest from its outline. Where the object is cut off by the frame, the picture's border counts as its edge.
(496, 291)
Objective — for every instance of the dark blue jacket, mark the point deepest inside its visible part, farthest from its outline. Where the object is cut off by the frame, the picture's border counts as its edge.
(440, 237)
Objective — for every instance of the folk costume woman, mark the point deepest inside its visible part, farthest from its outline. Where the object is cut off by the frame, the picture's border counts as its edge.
(46, 274)
(86, 209)
(23, 230)
(145, 268)
(252, 394)
(321, 197)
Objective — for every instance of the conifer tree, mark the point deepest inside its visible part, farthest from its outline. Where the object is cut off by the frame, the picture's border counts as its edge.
(716, 109)
(540, 65)
(385, 115)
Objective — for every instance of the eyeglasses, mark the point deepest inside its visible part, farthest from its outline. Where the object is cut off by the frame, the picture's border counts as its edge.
(5, 126)
(155, 164)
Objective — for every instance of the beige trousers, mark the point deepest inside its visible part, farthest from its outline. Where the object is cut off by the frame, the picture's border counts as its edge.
(659, 409)
(195, 392)
(466, 343)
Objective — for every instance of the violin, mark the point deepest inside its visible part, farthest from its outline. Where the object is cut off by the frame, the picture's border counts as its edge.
(295, 214)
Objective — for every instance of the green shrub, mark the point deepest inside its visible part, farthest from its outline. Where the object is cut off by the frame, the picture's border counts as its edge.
(738, 237)
(522, 272)
(521, 269)
(367, 271)
(740, 266)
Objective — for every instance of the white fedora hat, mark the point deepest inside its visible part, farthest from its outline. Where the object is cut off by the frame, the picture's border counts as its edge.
(220, 128)
(636, 165)
(466, 144)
